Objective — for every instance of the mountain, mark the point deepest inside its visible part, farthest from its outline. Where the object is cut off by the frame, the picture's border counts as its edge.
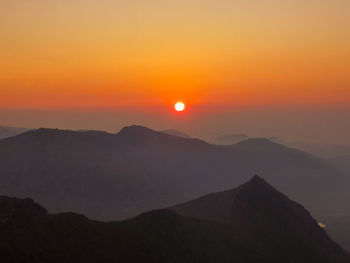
(336, 154)
(230, 139)
(262, 213)
(324, 150)
(177, 133)
(116, 176)
(236, 138)
(6, 131)
(250, 224)
(253, 203)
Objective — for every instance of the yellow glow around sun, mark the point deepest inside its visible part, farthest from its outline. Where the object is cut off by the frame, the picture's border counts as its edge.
(179, 106)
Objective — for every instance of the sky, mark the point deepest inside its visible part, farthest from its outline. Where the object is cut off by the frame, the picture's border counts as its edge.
(104, 64)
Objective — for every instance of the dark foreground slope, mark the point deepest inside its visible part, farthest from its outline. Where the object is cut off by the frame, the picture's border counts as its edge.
(115, 176)
(252, 224)
(264, 214)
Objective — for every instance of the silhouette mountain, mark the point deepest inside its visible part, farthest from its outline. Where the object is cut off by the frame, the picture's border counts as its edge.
(253, 223)
(261, 144)
(263, 213)
(115, 176)
(253, 203)
(177, 133)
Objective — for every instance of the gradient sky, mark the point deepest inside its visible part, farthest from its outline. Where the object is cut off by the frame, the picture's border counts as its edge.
(142, 56)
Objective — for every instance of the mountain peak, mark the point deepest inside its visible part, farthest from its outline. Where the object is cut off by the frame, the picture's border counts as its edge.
(260, 210)
(136, 135)
(256, 181)
(257, 178)
(261, 141)
(251, 199)
(261, 145)
(136, 130)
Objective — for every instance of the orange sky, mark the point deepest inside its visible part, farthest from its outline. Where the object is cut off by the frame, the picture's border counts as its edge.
(137, 53)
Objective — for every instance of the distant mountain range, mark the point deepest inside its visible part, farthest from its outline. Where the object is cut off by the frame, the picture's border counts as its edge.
(230, 139)
(250, 224)
(338, 155)
(116, 176)
(6, 131)
(236, 138)
(177, 133)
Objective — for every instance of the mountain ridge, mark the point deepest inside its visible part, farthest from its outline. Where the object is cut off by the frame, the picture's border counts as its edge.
(164, 235)
(142, 169)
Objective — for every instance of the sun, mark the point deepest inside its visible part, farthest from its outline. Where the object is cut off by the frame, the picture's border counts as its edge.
(179, 106)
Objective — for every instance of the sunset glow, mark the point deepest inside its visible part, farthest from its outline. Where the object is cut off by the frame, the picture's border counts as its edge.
(126, 62)
(92, 54)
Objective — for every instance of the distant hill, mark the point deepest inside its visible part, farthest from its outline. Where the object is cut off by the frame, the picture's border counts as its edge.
(336, 154)
(176, 133)
(6, 131)
(250, 224)
(324, 150)
(264, 146)
(230, 139)
(116, 176)
(236, 138)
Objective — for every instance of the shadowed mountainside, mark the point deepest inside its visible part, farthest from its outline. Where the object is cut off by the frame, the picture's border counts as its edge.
(115, 176)
(250, 224)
